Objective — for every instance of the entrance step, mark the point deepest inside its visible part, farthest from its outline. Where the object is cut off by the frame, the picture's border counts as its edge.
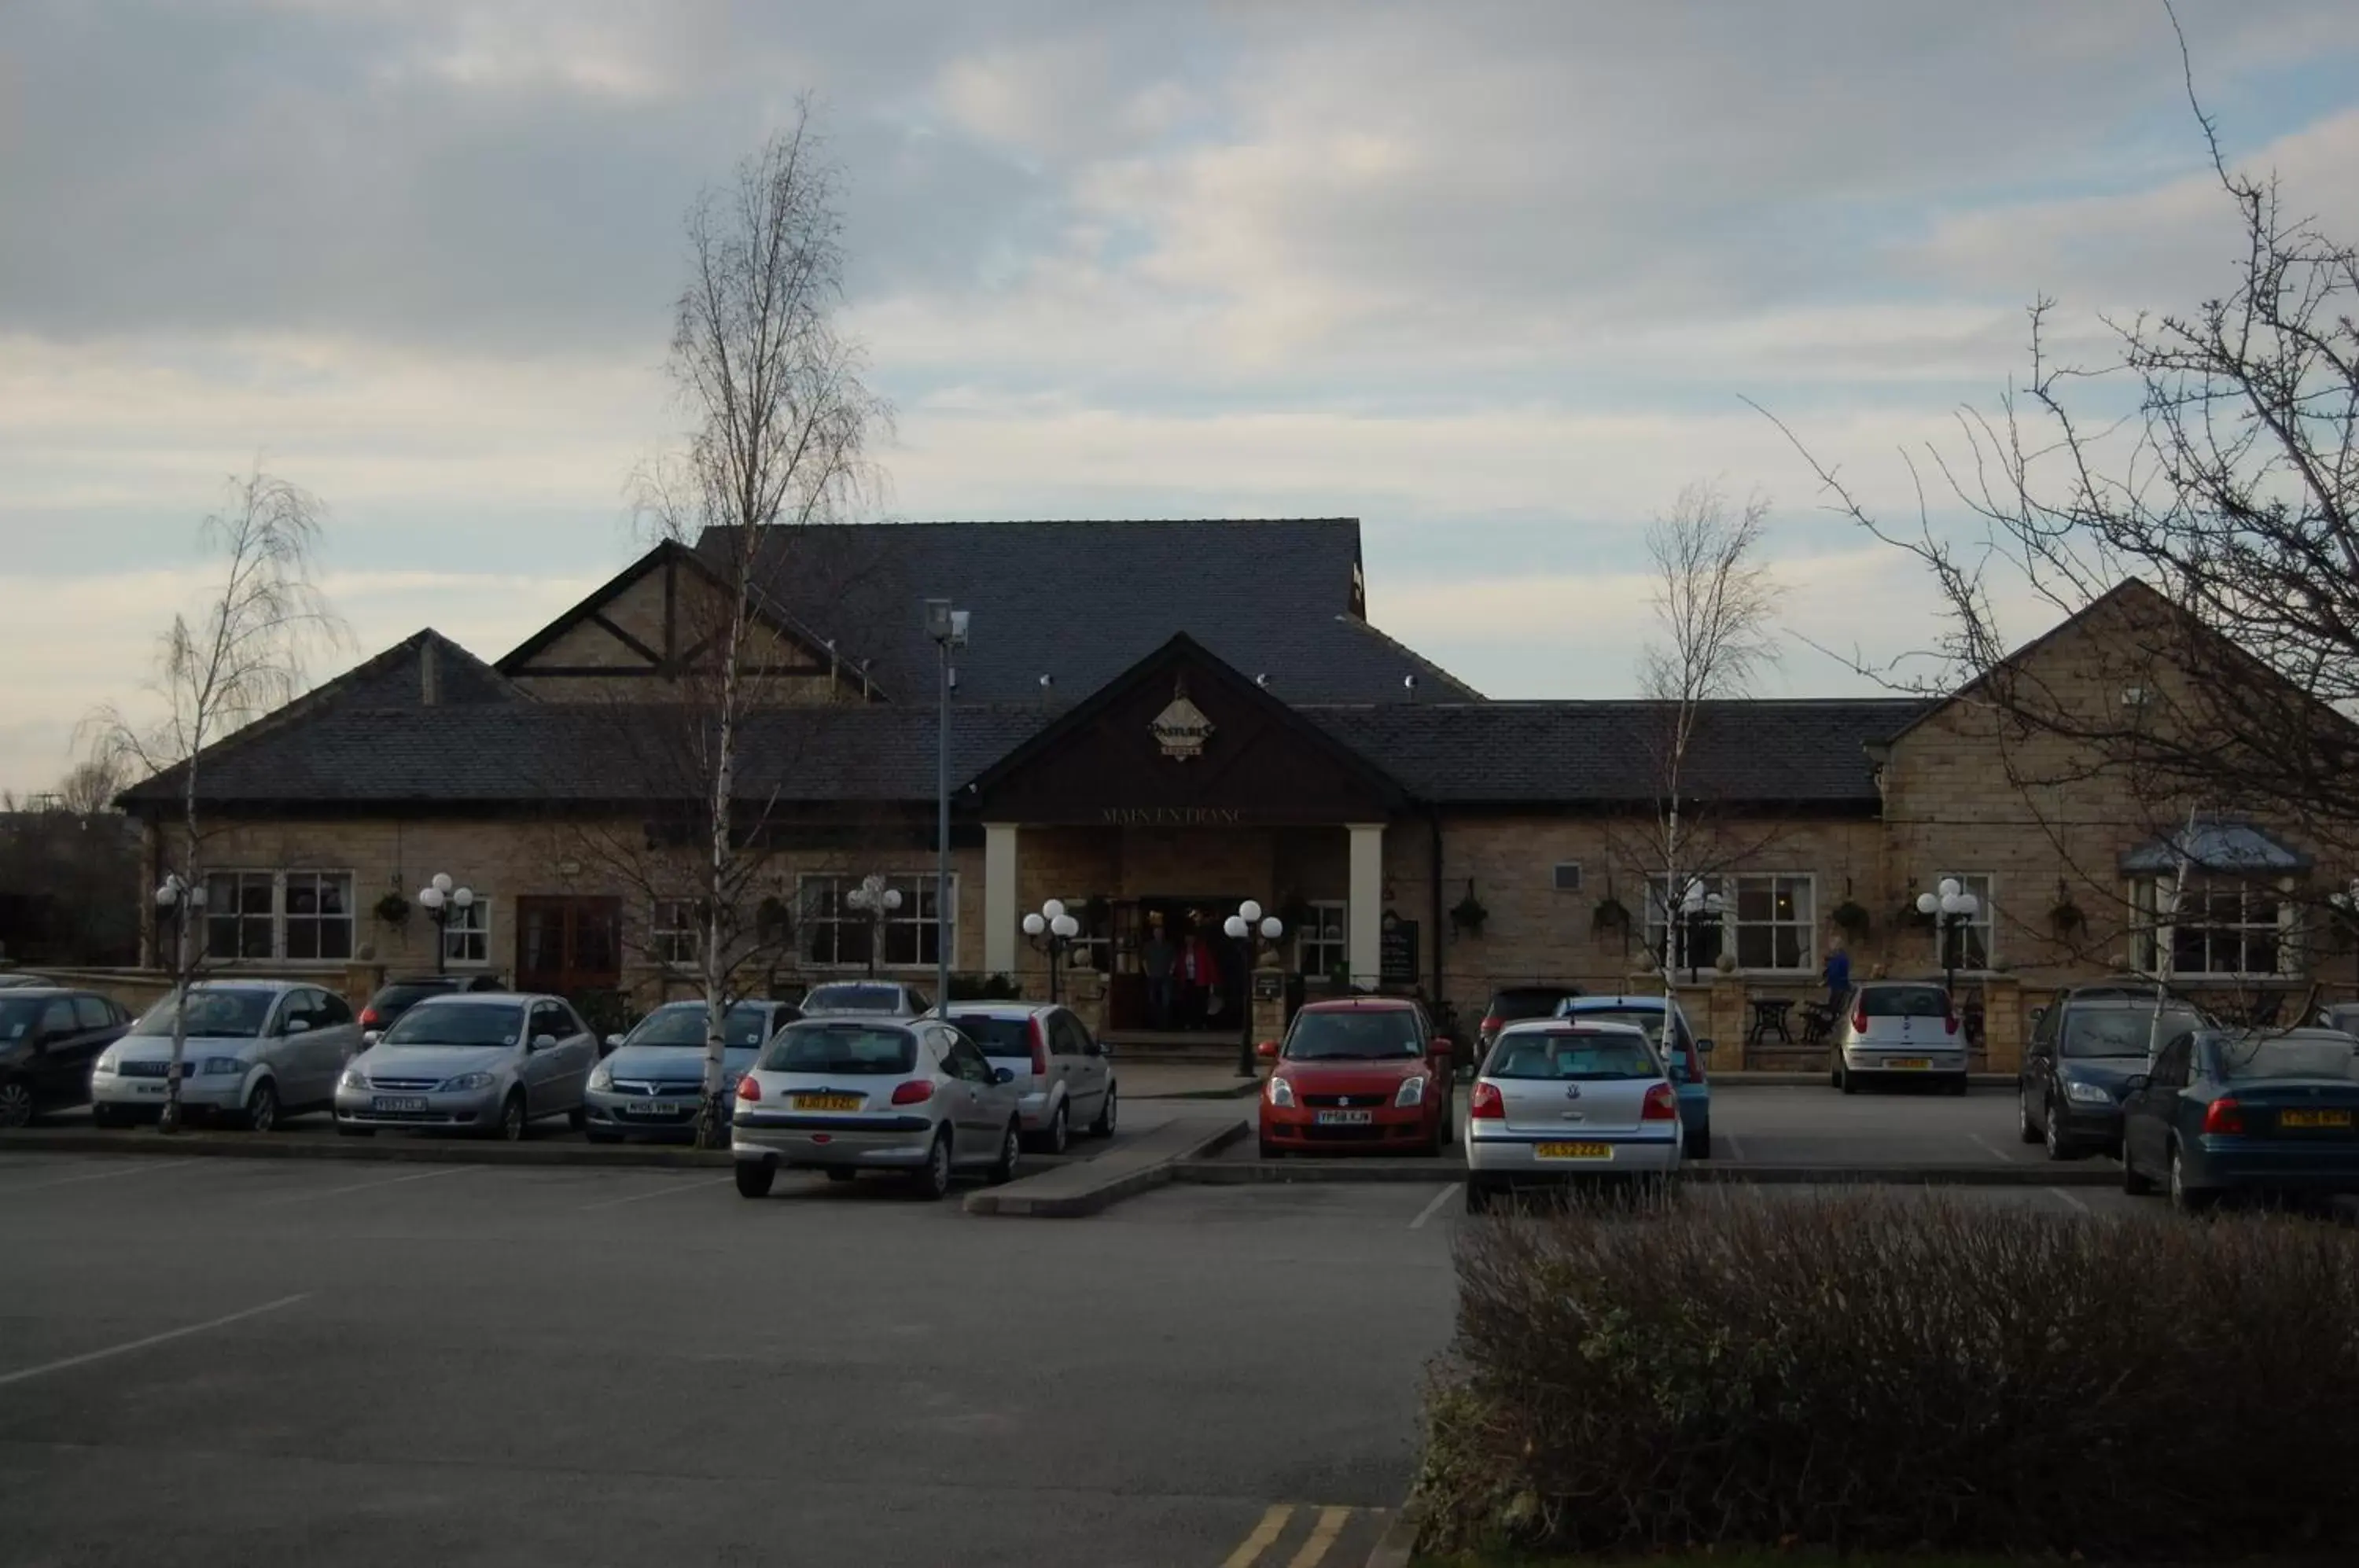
(1175, 1046)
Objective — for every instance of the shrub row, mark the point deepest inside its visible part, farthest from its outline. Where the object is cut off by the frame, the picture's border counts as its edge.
(1886, 1372)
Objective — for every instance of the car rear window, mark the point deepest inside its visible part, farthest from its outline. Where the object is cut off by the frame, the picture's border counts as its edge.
(1528, 1002)
(2294, 1056)
(1648, 1019)
(853, 999)
(1903, 1002)
(997, 1037)
(393, 999)
(1571, 1056)
(842, 1049)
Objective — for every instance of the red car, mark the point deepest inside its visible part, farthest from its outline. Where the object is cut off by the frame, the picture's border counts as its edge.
(1364, 1073)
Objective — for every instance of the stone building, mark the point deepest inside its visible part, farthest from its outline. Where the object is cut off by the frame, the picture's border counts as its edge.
(1155, 721)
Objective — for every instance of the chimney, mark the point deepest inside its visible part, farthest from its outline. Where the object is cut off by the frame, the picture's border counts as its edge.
(427, 673)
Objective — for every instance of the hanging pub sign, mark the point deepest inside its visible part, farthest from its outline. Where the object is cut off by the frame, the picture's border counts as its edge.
(1182, 729)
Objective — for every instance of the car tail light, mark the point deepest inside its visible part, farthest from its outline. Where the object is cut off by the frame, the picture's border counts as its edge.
(1950, 1023)
(1859, 1019)
(369, 1018)
(2224, 1115)
(1486, 1105)
(1039, 1048)
(1662, 1105)
(915, 1092)
(747, 1090)
(1492, 1025)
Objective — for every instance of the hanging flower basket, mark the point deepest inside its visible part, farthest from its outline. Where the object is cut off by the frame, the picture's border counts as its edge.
(393, 909)
(1468, 914)
(2065, 916)
(1609, 916)
(1851, 918)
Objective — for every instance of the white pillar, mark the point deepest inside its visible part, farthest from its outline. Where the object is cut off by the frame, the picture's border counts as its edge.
(999, 899)
(1363, 924)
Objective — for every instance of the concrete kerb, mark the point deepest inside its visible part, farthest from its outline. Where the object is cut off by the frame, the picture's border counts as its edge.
(1740, 1078)
(1250, 1172)
(1088, 1189)
(1396, 1548)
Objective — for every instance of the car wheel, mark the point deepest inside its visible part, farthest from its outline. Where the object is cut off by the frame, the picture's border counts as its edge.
(1011, 1147)
(932, 1181)
(109, 1116)
(261, 1114)
(1960, 1084)
(578, 1119)
(1845, 1080)
(1699, 1143)
(839, 1174)
(15, 1104)
(509, 1128)
(595, 1136)
(2187, 1200)
(1103, 1126)
(1060, 1132)
(2023, 1128)
(2058, 1147)
(2136, 1185)
(348, 1130)
(754, 1178)
(1834, 1077)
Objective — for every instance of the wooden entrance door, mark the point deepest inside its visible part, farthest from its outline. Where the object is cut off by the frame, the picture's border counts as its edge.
(567, 946)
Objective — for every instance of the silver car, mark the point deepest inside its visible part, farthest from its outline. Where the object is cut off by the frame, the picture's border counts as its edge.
(650, 1084)
(484, 1064)
(257, 1051)
(848, 1095)
(1559, 1099)
(1900, 1029)
(1064, 1075)
(866, 998)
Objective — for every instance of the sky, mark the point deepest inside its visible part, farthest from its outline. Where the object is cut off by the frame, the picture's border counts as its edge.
(1497, 279)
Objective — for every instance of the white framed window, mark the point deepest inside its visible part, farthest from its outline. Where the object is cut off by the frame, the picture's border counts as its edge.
(1977, 940)
(1769, 919)
(674, 934)
(2224, 928)
(1088, 950)
(1321, 946)
(467, 934)
(298, 916)
(837, 936)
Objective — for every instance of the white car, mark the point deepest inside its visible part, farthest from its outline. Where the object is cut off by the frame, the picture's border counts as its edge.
(1896, 1029)
(256, 1050)
(1560, 1099)
(1064, 1081)
(490, 1065)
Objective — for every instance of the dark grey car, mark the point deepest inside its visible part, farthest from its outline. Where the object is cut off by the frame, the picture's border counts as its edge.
(2085, 1047)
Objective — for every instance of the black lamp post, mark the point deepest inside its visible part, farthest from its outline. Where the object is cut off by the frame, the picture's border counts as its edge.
(1242, 927)
(1953, 909)
(1052, 931)
(873, 898)
(440, 899)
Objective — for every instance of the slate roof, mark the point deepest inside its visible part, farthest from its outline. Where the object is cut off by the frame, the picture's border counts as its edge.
(1806, 752)
(1082, 602)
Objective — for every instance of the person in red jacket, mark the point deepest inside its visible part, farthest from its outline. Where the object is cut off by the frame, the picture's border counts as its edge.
(1200, 973)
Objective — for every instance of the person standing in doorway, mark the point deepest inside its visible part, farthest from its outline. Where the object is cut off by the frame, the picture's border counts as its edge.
(1155, 958)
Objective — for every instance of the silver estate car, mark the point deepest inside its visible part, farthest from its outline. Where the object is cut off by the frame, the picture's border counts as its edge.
(866, 998)
(485, 1064)
(256, 1050)
(848, 1095)
(1900, 1029)
(1064, 1075)
(1559, 1099)
(649, 1083)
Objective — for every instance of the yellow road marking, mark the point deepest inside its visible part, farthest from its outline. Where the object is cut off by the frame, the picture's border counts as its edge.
(1272, 1522)
(1322, 1536)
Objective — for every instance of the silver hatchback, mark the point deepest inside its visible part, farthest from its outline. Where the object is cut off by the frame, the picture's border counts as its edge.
(1898, 1029)
(1560, 1099)
(848, 1095)
(1064, 1079)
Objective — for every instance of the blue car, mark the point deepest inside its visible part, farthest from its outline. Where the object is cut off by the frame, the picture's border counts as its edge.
(1683, 1054)
(2223, 1112)
(652, 1078)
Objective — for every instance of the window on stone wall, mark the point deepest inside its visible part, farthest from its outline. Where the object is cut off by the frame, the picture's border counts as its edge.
(1768, 920)
(674, 934)
(1088, 950)
(1322, 946)
(837, 936)
(299, 916)
(1976, 940)
(467, 936)
(2227, 927)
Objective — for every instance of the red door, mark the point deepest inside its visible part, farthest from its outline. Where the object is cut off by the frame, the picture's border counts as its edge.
(567, 946)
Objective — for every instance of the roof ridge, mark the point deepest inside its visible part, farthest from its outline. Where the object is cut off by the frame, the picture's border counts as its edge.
(1407, 652)
(1055, 522)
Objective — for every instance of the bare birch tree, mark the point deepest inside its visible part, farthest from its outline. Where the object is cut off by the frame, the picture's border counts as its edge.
(1717, 606)
(245, 654)
(783, 422)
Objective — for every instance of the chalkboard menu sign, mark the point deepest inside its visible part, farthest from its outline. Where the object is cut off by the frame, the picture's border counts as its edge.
(1397, 954)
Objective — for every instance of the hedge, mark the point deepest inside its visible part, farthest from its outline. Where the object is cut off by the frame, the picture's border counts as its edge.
(1894, 1373)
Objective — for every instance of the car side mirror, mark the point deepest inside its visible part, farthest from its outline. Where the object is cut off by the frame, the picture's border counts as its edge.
(2136, 1083)
(543, 1042)
(614, 1040)
(1003, 1076)
(1266, 1051)
(1704, 1048)
(370, 1037)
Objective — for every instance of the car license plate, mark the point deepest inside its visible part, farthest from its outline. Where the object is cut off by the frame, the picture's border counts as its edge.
(1908, 1063)
(1575, 1151)
(148, 1088)
(1343, 1118)
(651, 1108)
(827, 1102)
(386, 1103)
(2314, 1118)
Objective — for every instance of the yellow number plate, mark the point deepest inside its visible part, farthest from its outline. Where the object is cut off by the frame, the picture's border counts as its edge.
(1574, 1151)
(1908, 1064)
(828, 1102)
(2314, 1118)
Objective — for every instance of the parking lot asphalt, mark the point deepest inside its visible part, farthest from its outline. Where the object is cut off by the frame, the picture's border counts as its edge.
(224, 1361)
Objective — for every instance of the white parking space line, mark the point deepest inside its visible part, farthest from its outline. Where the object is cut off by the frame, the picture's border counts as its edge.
(1272, 1523)
(1434, 1207)
(664, 1192)
(1989, 1148)
(22, 1373)
(2069, 1198)
(1322, 1536)
(364, 1186)
(1736, 1149)
(140, 1170)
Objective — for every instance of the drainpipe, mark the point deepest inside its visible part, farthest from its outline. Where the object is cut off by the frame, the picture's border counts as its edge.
(1435, 814)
